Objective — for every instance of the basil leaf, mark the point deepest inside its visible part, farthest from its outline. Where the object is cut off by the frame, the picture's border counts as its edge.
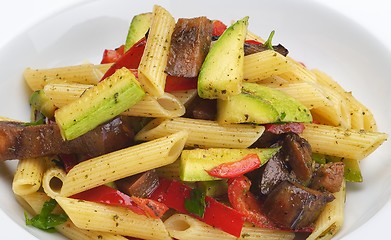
(268, 42)
(46, 220)
(196, 203)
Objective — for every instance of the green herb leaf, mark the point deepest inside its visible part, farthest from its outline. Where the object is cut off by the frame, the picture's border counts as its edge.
(38, 122)
(46, 220)
(196, 203)
(268, 42)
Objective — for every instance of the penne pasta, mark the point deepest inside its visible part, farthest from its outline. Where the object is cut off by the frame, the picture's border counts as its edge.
(336, 114)
(361, 117)
(85, 74)
(298, 73)
(52, 181)
(35, 201)
(341, 142)
(166, 105)
(154, 60)
(307, 93)
(185, 97)
(264, 64)
(126, 162)
(28, 176)
(181, 226)
(332, 217)
(62, 94)
(113, 219)
(203, 133)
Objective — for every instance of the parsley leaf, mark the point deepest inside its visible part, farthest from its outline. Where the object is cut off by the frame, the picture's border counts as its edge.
(268, 42)
(196, 203)
(46, 220)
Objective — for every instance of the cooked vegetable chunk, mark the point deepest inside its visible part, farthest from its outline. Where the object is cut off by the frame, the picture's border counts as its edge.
(190, 44)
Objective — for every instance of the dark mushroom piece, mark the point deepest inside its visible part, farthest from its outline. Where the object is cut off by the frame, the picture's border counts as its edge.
(298, 154)
(19, 141)
(291, 205)
(328, 177)
(190, 44)
(140, 185)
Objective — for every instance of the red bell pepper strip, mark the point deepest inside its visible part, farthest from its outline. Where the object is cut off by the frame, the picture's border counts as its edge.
(111, 56)
(107, 195)
(180, 83)
(218, 28)
(152, 208)
(234, 169)
(244, 201)
(131, 59)
(278, 128)
(173, 194)
(251, 41)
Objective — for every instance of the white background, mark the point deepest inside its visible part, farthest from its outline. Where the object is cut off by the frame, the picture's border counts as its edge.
(373, 15)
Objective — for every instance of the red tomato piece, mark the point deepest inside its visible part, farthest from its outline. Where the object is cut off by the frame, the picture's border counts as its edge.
(219, 215)
(108, 195)
(180, 83)
(111, 56)
(131, 59)
(244, 201)
(218, 28)
(234, 169)
(153, 209)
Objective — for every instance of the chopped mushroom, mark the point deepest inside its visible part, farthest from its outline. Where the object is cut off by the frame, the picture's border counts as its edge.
(291, 205)
(328, 177)
(139, 185)
(18, 141)
(190, 44)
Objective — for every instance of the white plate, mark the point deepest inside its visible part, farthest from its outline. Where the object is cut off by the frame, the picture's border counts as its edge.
(314, 35)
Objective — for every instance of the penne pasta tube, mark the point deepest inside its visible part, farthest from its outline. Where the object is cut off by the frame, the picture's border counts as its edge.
(35, 201)
(336, 114)
(85, 73)
(331, 219)
(263, 65)
(62, 94)
(361, 116)
(113, 219)
(298, 73)
(183, 227)
(28, 176)
(52, 181)
(341, 142)
(126, 162)
(185, 97)
(307, 93)
(166, 105)
(154, 60)
(203, 133)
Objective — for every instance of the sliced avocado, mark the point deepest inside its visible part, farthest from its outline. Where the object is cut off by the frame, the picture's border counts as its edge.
(221, 73)
(195, 162)
(245, 108)
(289, 109)
(42, 103)
(99, 104)
(213, 188)
(260, 104)
(138, 28)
